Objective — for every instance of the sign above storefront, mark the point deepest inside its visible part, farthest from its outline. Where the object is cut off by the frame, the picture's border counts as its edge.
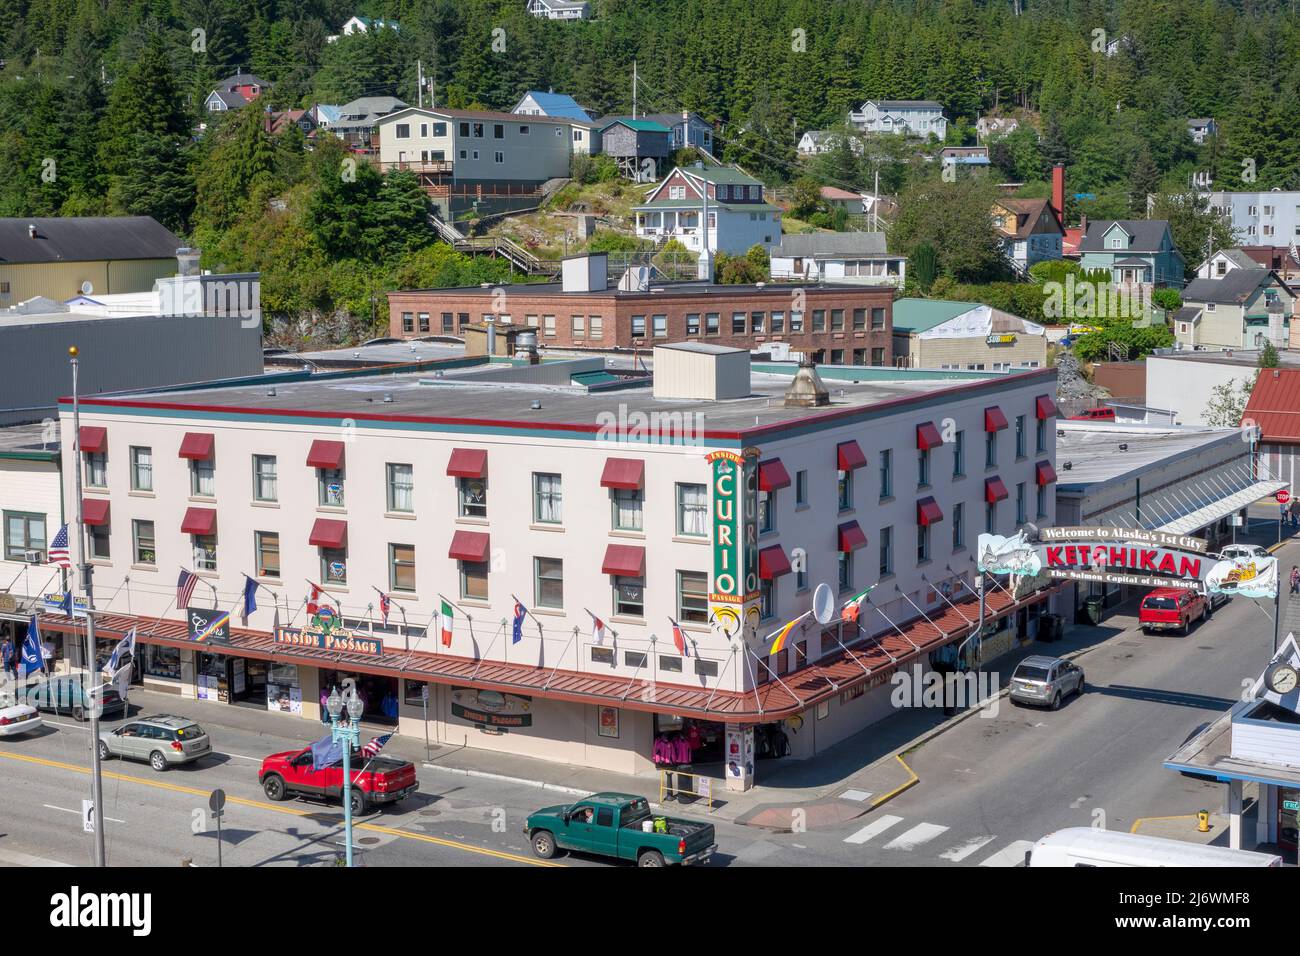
(488, 708)
(208, 626)
(335, 639)
(1004, 338)
(1127, 556)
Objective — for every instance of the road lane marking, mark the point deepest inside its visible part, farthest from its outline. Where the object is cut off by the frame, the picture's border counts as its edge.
(1011, 855)
(292, 811)
(872, 829)
(50, 806)
(962, 850)
(920, 834)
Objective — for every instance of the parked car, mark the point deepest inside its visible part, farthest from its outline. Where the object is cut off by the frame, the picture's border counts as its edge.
(68, 694)
(1234, 552)
(1172, 609)
(1089, 846)
(375, 780)
(163, 740)
(17, 718)
(621, 826)
(1106, 414)
(1040, 680)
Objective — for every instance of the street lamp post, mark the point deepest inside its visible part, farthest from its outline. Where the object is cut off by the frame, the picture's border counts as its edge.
(349, 735)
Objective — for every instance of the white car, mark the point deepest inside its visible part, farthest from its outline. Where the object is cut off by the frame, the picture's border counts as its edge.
(17, 718)
(1234, 551)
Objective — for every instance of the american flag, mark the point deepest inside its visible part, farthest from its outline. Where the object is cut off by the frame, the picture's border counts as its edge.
(376, 744)
(59, 549)
(185, 588)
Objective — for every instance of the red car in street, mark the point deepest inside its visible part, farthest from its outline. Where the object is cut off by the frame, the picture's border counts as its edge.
(375, 781)
(1172, 609)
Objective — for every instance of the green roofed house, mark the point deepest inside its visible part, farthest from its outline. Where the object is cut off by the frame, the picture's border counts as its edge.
(639, 146)
(739, 217)
(942, 334)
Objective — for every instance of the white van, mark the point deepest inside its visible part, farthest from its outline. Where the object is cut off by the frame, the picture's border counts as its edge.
(1085, 846)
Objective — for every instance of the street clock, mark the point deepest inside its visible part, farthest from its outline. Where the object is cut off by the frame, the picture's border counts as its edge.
(1281, 678)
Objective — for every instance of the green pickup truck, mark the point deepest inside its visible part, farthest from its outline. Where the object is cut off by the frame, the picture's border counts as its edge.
(611, 824)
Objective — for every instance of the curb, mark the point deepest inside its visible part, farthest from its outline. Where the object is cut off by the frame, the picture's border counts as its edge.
(885, 798)
(505, 778)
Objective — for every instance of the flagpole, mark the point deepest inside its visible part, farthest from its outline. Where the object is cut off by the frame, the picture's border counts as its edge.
(96, 781)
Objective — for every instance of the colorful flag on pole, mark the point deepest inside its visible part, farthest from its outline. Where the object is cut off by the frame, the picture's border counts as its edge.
(121, 680)
(125, 648)
(597, 628)
(446, 616)
(65, 605)
(385, 605)
(517, 628)
(32, 658)
(185, 588)
(250, 599)
(313, 600)
(376, 744)
(783, 635)
(58, 553)
(853, 606)
(679, 639)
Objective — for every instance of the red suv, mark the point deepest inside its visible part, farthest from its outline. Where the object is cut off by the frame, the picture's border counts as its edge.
(1168, 609)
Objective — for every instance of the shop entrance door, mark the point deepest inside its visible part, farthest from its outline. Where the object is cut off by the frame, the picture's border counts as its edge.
(251, 689)
(1288, 813)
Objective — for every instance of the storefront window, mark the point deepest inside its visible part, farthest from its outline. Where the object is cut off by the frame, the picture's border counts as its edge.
(414, 692)
(162, 662)
(283, 690)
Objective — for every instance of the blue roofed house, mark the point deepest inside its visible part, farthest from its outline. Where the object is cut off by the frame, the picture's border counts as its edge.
(586, 131)
(1134, 252)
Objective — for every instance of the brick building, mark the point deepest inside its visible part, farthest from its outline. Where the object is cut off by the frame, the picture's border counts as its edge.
(840, 324)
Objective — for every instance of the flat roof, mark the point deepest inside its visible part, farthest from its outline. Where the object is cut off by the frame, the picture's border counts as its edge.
(386, 353)
(1092, 450)
(499, 394)
(1245, 358)
(1210, 751)
(655, 289)
(38, 439)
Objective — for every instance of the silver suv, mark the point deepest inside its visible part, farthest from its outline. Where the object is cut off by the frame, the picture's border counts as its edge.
(163, 740)
(1045, 680)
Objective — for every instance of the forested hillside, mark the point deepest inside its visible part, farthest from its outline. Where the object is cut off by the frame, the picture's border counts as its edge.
(99, 99)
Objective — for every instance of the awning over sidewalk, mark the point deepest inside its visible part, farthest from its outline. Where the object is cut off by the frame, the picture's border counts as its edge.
(1230, 504)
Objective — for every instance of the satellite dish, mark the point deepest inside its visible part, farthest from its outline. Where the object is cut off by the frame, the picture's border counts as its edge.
(824, 604)
(87, 288)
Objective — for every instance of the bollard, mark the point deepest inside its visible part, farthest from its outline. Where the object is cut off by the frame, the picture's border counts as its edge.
(1203, 821)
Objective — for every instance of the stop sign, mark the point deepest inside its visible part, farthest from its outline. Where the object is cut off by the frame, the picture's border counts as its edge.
(1283, 496)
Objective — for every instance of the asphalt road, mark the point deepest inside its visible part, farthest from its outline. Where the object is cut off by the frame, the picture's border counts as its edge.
(989, 786)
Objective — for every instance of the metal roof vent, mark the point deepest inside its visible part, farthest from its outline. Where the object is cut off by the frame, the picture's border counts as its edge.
(388, 396)
(1068, 465)
(806, 388)
(536, 404)
(270, 393)
(1123, 446)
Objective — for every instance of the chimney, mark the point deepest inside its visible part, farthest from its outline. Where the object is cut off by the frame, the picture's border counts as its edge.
(1058, 191)
(31, 230)
(1083, 228)
(491, 324)
(806, 389)
(187, 261)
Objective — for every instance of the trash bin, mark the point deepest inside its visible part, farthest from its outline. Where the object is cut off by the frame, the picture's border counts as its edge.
(1092, 608)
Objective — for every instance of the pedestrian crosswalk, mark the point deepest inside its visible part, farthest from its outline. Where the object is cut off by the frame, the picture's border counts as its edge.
(925, 837)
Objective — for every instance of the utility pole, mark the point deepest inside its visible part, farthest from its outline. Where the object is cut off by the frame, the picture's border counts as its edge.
(96, 783)
(419, 83)
(634, 89)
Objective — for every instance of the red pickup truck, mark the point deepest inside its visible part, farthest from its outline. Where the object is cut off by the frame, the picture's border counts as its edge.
(376, 781)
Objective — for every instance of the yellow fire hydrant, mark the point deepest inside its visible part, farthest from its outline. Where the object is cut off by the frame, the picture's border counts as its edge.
(1203, 821)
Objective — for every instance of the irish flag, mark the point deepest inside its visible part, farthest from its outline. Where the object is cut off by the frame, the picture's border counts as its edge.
(853, 606)
(446, 624)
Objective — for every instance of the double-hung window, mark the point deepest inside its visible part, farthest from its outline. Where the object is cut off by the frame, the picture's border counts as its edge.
(401, 488)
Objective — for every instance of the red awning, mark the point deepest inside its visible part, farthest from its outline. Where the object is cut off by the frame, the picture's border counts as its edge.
(927, 436)
(625, 473)
(92, 438)
(994, 420)
(848, 455)
(469, 546)
(928, 511)
(468, 463)
(199, 521)
(197, 446)
(1044, 407)
(626, 560)
(94, 510)
(772, 563)
(851, 536)
(325, 454)
(329, 533)
(772, 475)
(994, 490)
(1045, 473)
